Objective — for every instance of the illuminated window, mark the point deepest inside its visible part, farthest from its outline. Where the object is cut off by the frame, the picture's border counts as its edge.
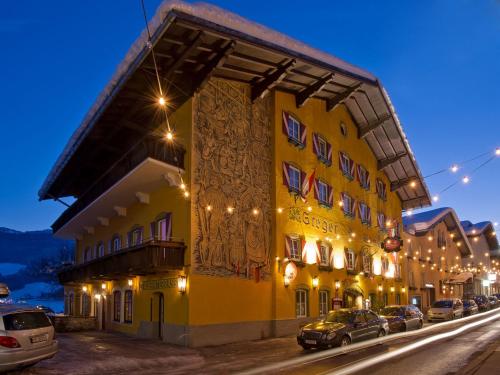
(301, 302)
(127, 307)
(135, 237)
(367, 263)
(100, 249)
(295, 178)
(323, 192)
(324, 298)
(295, 249)
(350, 259)
(117, 301)
(323, 253)
(293, 129)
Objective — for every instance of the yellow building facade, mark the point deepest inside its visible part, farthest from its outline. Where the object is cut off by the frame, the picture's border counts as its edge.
(267, 207)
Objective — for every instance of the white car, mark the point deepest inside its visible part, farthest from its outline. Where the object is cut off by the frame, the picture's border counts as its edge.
(446, 309)
(26, 336)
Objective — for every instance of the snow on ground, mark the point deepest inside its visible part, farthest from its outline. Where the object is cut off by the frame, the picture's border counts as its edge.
(10, 268)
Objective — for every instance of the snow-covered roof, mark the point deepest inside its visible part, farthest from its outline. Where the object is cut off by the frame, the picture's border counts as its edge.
(388, 141)
(483, 228)
(424, 221)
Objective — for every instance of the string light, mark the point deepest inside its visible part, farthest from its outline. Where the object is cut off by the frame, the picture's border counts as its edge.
(209, 208)
(435, 198)
(169, 136)
(162, 101)
(255, 211)
(186, 193)
(230, 209)
(454, 168)
(280, 210)
(413, 184)
(465, 179)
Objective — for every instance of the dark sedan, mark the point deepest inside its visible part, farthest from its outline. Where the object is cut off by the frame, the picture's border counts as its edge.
(482, 302)
(341, 327)
(470, 307)
(403, 317)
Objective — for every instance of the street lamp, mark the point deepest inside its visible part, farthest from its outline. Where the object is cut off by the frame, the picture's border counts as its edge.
(315, 282)
(181, 283)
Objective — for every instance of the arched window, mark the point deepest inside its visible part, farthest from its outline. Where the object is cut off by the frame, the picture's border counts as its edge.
(161, 228)
(86, 304)
(71, 304)
(100, 249)
(135, 236)
(87, 254)
(128, 306)
(117, 302)
(116, 243)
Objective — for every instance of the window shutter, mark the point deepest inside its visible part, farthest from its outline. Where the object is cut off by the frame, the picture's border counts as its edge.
(318, 252)
(315, 144)
(368, 215)
(367, 181)
(329, 153)
(129, 239)
(285, 124)
(303, 177)
(358, 174)
(152, 227)
(286, 176)
(342, 200)
(110, 246)
(352, 167)
(341, 160)
(316, 189)
(302, 248)
(168, 232)
(288, 246)
(330, 195)
(353, 207)
(303, 134)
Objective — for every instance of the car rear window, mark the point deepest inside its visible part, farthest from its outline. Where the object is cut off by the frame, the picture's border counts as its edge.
(442, 304)
(25, 320)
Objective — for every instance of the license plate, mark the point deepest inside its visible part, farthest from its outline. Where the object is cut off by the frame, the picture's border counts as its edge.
(39, 338)
(311, 342)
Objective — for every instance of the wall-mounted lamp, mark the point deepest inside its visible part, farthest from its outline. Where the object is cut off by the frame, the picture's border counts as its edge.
(286, 281)
(84, 289)
(103, 286)
(392, 289)
(315, 282)
(403, 290)
(380, 288)
(337, 285)
(97, 297)
(130, 282)
(182, 283)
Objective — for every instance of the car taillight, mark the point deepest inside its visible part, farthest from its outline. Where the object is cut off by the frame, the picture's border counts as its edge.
(9, 342)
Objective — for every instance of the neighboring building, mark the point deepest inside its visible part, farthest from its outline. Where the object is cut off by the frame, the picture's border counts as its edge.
(484, 243)
(435, 246)
(242, 256)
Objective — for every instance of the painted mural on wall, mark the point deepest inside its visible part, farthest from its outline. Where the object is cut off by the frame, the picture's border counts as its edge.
(231, 167)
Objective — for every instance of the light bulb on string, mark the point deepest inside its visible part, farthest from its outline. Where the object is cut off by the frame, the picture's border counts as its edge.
(162, 101)
(497, 151)
(454, 168)
(169, 135)
(466, 179)
(435, 198)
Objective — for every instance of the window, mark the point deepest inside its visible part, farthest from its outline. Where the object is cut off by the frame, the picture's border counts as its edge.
(71, 304)
(365, 213)
(117, 301)
(348, 205)
(386, 299)
(381, 221)
(100, 249)
(127, 307)
(323, 193)
(301, 303)
(363, 177)
(135, 237)
(370, 316)
(323, 253)
(397, 271)
(322, 149)
(367, 264)
(87, 255)
(385, 266)
(411, 279)
(164, 229)
(294, 129)
(350, 259)
(343, 129)
(116, 243)
(323, 302)
(295, 249)
(346, 165)
(294, 178)
(86, 304)
(381, 189)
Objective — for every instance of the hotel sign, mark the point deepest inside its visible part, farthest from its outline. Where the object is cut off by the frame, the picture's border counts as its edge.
(316, 222)
(159, 284)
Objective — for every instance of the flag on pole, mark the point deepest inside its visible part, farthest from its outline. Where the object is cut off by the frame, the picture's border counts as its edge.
(307, 185)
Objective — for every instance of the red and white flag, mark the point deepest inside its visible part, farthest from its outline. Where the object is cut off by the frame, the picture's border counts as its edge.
(307, 186)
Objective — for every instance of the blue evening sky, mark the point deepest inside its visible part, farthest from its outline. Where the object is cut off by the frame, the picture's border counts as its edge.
(439, 61)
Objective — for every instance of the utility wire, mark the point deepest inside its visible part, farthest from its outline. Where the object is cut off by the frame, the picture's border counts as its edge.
(459, 164)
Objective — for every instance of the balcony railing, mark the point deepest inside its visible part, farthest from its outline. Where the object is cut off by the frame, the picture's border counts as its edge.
(148, 148)
(149, 257)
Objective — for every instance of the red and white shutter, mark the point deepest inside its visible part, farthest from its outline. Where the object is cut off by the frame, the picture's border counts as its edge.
(359, 177)
(353, 207)
(341, 161)
(368, 215)
(316, 189)
(330, 195)
(286, 174)
(286, 119)
(329, 153)
(315, 144)
(367, 179)
(288, 247)
(303, 248)
(318, 252)
(352, 167)
(303, 179)
(303, 134)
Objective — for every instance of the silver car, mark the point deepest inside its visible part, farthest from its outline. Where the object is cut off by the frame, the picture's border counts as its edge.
(26, 336)
(446, 309)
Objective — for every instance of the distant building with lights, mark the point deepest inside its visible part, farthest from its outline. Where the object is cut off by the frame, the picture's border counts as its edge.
(436, 247)
(287, 170)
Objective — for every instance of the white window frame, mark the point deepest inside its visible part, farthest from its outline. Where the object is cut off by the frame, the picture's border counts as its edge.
(324, 297)
(161, 236)
(292, 173)
(345, 165)
(301, 301)
(295, 248)
(116, 243)
(100, 249)
(364, 177)
(367, 263)
(293, 128)
(322, 192)
(351, 260)
(322, 148)
(347, 204)
(324, 254)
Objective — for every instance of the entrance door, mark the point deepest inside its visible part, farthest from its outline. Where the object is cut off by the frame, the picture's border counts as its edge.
(432, 296)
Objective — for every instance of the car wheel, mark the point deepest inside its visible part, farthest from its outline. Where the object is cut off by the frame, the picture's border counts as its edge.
(346, 340)
(306, 347)
(381, 333)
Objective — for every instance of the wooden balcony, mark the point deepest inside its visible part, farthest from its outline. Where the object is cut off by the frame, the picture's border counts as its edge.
(147, 258)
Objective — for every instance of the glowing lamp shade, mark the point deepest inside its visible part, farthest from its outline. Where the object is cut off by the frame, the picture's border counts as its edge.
(338, 259)
(391, 271)
(310, 251)
(97, 297)
(182, 283)
(315, 282)
(130, 282)
(84, 288)
(377, 265)
(103, 286)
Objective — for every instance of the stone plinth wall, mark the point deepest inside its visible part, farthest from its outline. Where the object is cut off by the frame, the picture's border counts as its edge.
(74, 323)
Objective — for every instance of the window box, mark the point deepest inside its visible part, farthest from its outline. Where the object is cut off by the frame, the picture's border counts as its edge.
(325, 268)
(323, 193)
(294, 130)
(346, 165)
(322, 149)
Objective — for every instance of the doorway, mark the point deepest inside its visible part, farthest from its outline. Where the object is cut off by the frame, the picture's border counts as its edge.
(158, 314)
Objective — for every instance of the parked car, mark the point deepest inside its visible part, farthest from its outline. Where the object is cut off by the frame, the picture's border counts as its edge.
(494, 302)
(470, 307)
(402, 317)
(4, 290)
(445, 309)
(341, 327)
(483, 303)
(26, 337)
(48, 311)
